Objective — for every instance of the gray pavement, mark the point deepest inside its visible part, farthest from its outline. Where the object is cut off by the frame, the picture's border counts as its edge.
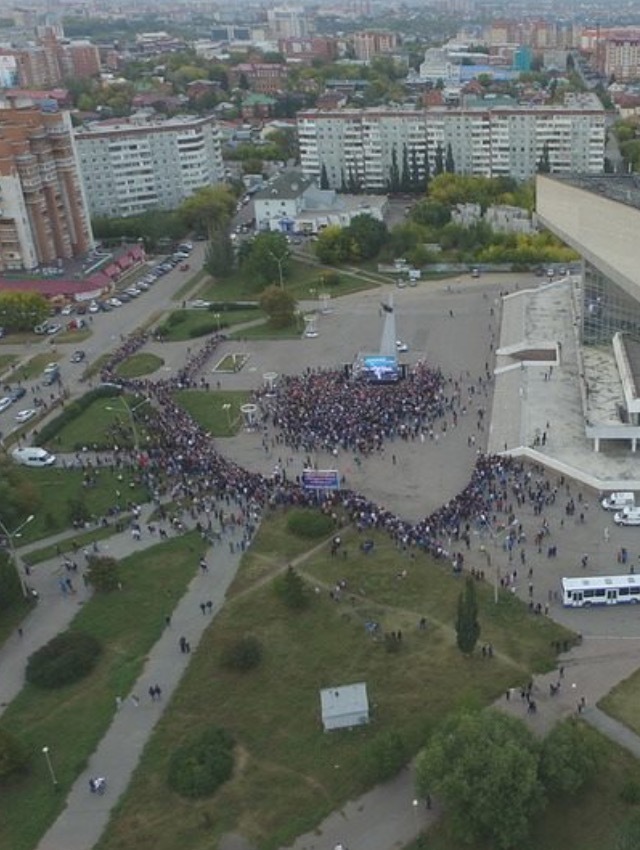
(86, 815)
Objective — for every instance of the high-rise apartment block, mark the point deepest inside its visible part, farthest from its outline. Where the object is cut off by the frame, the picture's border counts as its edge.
(288, 22)
(131, 166)
(372, 43)
(620, 54)
(365, 147)
(43, 215)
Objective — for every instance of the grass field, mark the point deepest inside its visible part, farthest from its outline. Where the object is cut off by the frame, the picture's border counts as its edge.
(587, 821)
(623, 702)
(6, 361)
(206, 408)
(303, 283)
(95, 367)
(104, 423)
(265, 331)
(72, 720)
(74, 336)
(291, 774)
(139, 364)
(56, 488)
(183, 325)
(190, 283)
(33, 367)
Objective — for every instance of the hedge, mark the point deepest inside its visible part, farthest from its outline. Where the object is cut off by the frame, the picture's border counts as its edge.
(67, 658)
(309, 524)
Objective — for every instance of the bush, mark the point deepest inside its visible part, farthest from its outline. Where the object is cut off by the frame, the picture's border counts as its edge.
(311, 525)
(13, 756)
(630, 792)
(199, 768)
(569, 759)
(102, 574)
(10, 583)
(72, 411)
(242, 654)
(67, 658)
(385, 756)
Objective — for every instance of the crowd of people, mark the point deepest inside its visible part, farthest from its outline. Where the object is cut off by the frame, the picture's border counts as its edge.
(323, 406)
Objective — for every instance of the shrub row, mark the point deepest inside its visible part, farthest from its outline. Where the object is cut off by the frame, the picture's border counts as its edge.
(198, 768)
(69, 657)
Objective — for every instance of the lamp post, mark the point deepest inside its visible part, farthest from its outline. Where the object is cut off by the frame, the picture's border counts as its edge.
(415, 803)
(52, 774)
(130, 411)
(227, 409)
(280, 261)
(10, 535)
(217, 317)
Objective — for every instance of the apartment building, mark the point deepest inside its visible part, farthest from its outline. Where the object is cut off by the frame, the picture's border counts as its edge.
(288, 22)
(372, 43)
(493, 139)
(43, 214)
(130, 166)
(621, 55)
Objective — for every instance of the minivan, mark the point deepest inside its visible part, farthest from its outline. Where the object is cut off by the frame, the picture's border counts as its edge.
(33, 457)
(618, 501)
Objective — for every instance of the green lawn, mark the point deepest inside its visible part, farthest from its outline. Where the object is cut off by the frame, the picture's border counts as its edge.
(265, 331)
(187, 324)
(303, 282)
(290, 773)
(587, 821)
(623, 702)
(7, 360)
(54, 488)
(71, 721)
(33, 367)
(75, 336)
(189, 284)
(139, 364)
(105, 423)
(206, 408)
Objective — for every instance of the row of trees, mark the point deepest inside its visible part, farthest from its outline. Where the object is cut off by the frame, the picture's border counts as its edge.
(362, 239)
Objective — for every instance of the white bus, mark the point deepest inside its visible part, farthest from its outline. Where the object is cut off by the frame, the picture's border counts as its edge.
(600, 590)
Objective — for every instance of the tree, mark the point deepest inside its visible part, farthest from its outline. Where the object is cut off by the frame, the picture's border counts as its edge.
(242, 654)
(13, 756)
(393, 183)
(405, 175)
(267, 257)
(569, 758)
(438, 164)
(21, 311)
(467, 626)
(385, 756)
(291, 590)
(449, 164)
(208, 208)
(431, 214)
(102, 574)
(10, 583)
(484, 766)
(219, 258)
(368, 233)
(279, 305)
(335, 246)
(18, 496)
(324, 177)
(544, 163)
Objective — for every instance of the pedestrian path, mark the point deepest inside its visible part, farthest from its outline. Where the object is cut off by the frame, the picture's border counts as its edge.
(86, 815)
(614, 730)
(55, 610)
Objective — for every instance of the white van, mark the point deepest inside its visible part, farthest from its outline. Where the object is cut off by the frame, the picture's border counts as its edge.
(618, 501)
(33, 456)
(627, 516)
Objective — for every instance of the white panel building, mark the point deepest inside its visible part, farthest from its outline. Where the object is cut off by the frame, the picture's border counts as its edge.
(344, 707)
(488, 138)
(130, 166)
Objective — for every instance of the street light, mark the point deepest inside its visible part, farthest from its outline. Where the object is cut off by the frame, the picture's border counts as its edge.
(227, 409)
(415, 804)
(10, 535)
(280, 261)
(130, 411)
(217, 317)
(47, 757)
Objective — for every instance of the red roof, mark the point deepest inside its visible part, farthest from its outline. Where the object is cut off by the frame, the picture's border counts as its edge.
(112, 270)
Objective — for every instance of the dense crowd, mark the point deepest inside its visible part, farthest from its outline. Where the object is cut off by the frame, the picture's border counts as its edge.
(184, 457)
(329, 409)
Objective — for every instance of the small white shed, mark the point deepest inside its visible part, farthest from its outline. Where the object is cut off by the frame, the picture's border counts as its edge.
(344, 707)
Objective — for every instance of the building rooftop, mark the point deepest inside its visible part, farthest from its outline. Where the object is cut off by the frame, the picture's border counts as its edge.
(284, 188)
(346, 699)
(623, 188)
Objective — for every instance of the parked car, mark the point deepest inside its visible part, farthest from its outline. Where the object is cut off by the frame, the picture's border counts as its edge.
(33, 457)
(25, 415)
(5, 403)
(17, 393)
(401, 347)
(78, 356)
(67, 310)
(627, 516)
(93, 307)
(199, 304)
(114, 302)
(53, 329)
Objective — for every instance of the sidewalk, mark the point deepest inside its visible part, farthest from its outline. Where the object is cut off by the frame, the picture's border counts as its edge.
(86, 815)
(54, 611)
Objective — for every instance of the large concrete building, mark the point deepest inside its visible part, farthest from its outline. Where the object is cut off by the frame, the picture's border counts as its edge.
(43, 215)
(485, 137)
(599, 217)
(131, 166)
